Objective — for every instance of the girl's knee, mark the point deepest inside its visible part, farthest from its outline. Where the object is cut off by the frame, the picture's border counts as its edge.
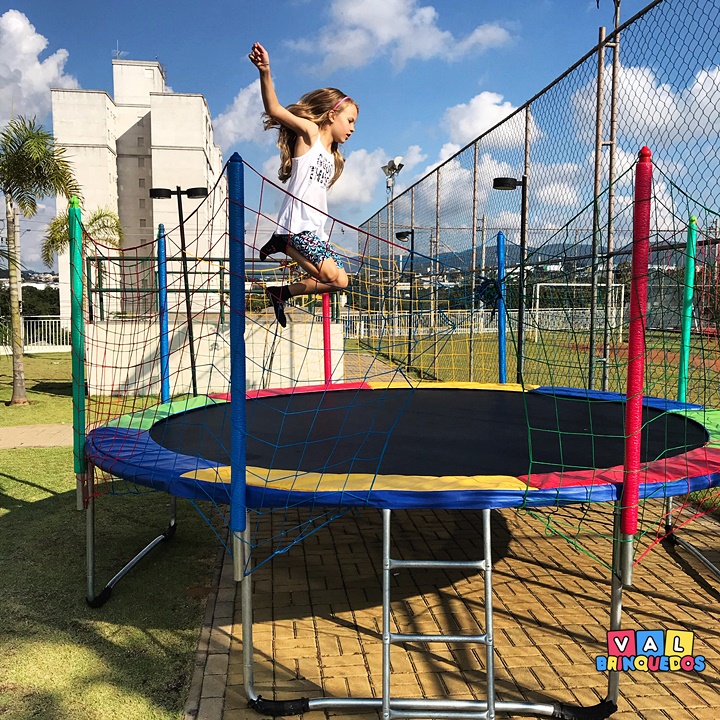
(331, 274)
(342, 280)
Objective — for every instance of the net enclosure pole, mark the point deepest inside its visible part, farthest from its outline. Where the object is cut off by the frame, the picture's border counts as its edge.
(77, 336)
(327, 344)
(84, 479)
(163, 312)
(186, 291)
(687, 308)
(636, 359)
(684, 374)
(236, 240)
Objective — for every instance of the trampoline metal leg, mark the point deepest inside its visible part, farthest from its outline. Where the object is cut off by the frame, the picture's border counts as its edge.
(672, 538)
(667, 511)
(88, 484)
(489, 632)
(616, 598)
(98, 600)
(241, 559)
(386, 517)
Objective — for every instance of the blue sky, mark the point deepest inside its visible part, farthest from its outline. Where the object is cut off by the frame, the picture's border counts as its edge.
(428, 77)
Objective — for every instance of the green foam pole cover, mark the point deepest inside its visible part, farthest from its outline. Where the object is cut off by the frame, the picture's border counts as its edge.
(78, 333)
(689, 290)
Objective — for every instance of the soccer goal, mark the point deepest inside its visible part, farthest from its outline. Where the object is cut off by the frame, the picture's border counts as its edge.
(569, 307)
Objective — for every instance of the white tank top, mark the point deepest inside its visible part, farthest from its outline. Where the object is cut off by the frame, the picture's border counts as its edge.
(305, 205)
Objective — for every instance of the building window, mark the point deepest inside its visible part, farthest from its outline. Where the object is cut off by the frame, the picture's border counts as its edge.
(141, 162)
(141, 141)
(143, 223)
(141, 203)
(141, 182)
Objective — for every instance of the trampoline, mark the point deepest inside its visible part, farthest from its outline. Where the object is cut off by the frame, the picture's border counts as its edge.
(395, 446)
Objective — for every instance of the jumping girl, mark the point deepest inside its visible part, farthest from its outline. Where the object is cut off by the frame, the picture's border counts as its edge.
(310, 132)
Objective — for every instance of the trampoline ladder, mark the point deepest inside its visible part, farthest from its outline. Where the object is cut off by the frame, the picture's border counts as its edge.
(394, 708)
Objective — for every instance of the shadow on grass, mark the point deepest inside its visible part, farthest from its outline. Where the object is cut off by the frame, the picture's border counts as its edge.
(27, 483)
(57, 389)
(138, 649)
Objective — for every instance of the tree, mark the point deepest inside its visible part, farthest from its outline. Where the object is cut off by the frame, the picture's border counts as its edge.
(32, 167)
(102, 226)
(35, 301)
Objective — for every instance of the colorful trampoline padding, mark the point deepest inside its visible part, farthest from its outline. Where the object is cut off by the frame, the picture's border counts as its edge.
(432, 445)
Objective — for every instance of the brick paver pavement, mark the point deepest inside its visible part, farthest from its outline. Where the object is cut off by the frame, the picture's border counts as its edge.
(318, 618)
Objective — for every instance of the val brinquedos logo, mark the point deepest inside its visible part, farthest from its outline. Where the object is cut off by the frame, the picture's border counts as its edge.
(650, 651)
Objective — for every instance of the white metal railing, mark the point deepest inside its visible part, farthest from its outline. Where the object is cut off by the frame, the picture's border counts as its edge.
(456, 322)
(42, 334)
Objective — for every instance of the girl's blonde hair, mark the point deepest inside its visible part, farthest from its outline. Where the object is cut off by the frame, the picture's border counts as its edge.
(315, 106)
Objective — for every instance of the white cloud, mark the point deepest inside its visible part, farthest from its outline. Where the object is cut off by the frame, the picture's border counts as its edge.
(25, 80)
(403, 29)
(456, 185)
(242, 120)
(558, 194)
(32, 232)
(270, 168)
(413, 156)
(507, 221)
(446, 151)
(358, 183)
(467, 121)
(652, 109)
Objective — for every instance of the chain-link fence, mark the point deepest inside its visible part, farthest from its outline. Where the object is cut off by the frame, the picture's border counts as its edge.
(655, 81)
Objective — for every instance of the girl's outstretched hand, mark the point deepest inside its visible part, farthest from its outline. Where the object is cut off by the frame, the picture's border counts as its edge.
(259, 57)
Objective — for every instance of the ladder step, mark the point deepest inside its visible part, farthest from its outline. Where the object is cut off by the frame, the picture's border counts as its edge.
(419, 637)
(442, 564)
(460, 715)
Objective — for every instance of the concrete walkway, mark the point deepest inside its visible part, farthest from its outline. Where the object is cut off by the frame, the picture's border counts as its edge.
(317, 627)
(36, 436)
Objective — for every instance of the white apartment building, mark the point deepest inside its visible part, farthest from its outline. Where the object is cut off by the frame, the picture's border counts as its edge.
(144, 136)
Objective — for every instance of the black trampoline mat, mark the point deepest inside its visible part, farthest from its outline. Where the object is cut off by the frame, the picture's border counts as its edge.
(427, 431)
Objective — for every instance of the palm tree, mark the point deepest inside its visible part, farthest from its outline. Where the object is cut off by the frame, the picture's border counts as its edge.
(103, 226)
(32, 167)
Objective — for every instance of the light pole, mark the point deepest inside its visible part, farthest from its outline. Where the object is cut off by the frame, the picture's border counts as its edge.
(392, 168)
(195, 193)
(403, 236)
(505, 183)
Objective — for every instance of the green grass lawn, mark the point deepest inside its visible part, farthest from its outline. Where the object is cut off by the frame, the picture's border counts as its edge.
(62, 660)
(49, 390)
(556, 358)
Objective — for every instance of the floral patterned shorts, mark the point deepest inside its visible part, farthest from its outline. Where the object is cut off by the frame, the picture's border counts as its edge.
(313, 248)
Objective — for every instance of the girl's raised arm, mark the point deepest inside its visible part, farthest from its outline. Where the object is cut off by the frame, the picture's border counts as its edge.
(306, 129)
